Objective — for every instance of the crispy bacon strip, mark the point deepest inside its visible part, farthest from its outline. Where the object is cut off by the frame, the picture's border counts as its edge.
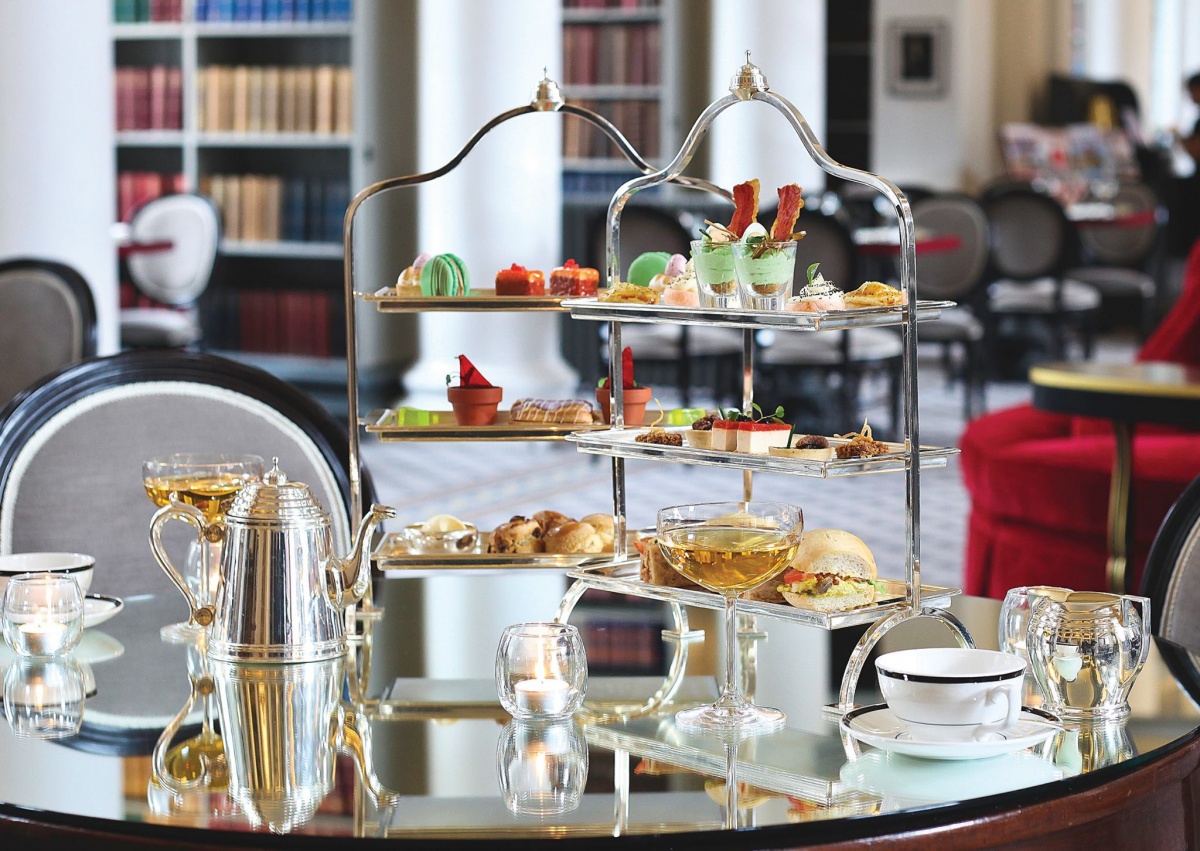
(790, 204)
(745, 207)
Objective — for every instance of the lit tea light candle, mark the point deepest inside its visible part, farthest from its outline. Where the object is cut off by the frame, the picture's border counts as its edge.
(43, 638)
(542, 696)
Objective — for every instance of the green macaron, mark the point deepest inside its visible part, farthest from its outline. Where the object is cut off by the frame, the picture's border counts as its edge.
(445, 275)
(646, 266)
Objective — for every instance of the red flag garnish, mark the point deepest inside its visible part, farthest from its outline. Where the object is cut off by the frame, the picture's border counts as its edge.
(627, 368)
(469, 376)
(790, 204)
(745, 207)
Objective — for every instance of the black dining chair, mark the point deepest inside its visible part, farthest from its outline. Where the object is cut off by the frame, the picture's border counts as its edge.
(71, 452)
(47, 320)
(1032, 245)
(956, 275)
(841, 359)
(1120, 258)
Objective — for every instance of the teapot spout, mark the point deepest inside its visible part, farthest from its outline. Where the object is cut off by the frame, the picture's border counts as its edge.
(348, 578)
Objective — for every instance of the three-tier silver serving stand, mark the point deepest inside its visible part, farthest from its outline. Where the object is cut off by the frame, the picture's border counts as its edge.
(903, 600)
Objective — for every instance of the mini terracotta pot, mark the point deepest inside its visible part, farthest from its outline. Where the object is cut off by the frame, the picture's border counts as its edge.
(636, 399)
(474, 406)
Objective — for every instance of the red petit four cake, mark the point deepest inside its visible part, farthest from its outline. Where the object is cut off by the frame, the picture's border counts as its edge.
(517, 280)
(570, 279)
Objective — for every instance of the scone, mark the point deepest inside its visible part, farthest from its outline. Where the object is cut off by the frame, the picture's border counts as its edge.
(551, 520)
(519, 535)
(603, 524)
(573, 538)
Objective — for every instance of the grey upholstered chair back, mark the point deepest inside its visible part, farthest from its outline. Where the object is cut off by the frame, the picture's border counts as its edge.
(642, 229)
(47, 320)
(1124, 244)
(828, 242)
(952, 274)
(76, 483)
(1030, 235)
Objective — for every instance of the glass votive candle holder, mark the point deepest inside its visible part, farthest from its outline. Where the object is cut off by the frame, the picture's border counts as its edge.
(542, 766)
(764, 272)
(541, 670)
(715, 275)
(43, 698)
(43, 614)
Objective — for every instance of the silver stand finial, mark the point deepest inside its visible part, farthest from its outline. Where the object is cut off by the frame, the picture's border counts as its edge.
(547, 97)
(748, 80)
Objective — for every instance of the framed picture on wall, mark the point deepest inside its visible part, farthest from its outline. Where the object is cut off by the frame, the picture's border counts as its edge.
(918, 58)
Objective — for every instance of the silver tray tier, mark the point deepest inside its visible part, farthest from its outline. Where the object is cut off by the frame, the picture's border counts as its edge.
(861, 317)
(623, 578)
(622, 443)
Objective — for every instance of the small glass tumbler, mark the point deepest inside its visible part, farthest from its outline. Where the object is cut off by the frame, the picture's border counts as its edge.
(541, 670)
(715, 275)
(43, 614)
(43, 698)
(764, 272)
(542, 766)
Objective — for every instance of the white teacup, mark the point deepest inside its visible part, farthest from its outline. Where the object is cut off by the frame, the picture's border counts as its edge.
(952, 694)
(77, 565)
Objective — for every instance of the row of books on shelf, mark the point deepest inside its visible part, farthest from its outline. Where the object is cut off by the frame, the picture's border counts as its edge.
(638, 120)
(277, 321)
(620, 54)
(623, 645)
(143, 11)
(274, 99)
(149, 97)
(274, 10)
(269, 208)
(135, 188)
(602, 183)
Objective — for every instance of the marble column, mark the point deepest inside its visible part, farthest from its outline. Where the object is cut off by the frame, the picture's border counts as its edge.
(502, 205)
(57, 167)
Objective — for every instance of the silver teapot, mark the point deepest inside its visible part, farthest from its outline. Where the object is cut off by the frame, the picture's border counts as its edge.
(1085, 650)
(281, 591)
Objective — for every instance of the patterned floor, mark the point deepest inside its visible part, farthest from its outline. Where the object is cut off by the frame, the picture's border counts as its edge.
(488, 483)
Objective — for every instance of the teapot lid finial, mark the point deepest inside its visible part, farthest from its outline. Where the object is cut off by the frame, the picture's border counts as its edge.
(275, 476)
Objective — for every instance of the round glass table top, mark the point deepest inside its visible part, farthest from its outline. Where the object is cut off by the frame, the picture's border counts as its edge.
(164, 737)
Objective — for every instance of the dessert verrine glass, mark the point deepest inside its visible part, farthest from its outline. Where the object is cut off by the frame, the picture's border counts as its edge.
(764, 272)
(730, 547)
(715, 275)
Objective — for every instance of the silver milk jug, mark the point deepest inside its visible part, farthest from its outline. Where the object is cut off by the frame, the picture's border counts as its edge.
(1085, 651)
(281, 591)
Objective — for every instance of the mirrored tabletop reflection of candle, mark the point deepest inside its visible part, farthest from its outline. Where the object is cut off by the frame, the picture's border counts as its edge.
(542, 697)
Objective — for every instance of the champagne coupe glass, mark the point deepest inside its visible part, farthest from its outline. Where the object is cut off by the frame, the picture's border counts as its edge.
(208, 482)
(730, 547)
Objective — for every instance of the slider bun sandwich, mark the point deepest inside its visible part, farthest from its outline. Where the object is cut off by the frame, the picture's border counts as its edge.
(832, 571)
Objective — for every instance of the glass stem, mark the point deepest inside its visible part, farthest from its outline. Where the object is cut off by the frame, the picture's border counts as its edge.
(730, 693)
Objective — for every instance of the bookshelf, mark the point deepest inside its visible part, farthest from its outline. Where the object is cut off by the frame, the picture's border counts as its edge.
(616, 61)
(256, 104)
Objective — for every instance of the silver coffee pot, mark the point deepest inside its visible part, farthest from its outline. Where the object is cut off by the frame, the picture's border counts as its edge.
(281, 591)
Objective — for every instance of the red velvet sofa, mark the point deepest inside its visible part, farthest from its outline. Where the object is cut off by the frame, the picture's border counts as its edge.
(1039, 482)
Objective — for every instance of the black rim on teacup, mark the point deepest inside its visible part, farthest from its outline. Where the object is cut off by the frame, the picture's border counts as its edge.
(1004, 666)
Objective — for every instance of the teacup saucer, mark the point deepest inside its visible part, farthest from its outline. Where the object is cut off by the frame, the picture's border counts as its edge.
(878, 727)
(98, 608)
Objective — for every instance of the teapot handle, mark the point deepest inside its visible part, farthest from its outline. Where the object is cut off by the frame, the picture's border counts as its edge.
(1143, 605)
(201, 687)
(202, 615)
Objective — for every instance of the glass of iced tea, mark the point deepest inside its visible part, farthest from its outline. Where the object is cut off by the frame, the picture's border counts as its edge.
(207, 481)
(730, 547)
